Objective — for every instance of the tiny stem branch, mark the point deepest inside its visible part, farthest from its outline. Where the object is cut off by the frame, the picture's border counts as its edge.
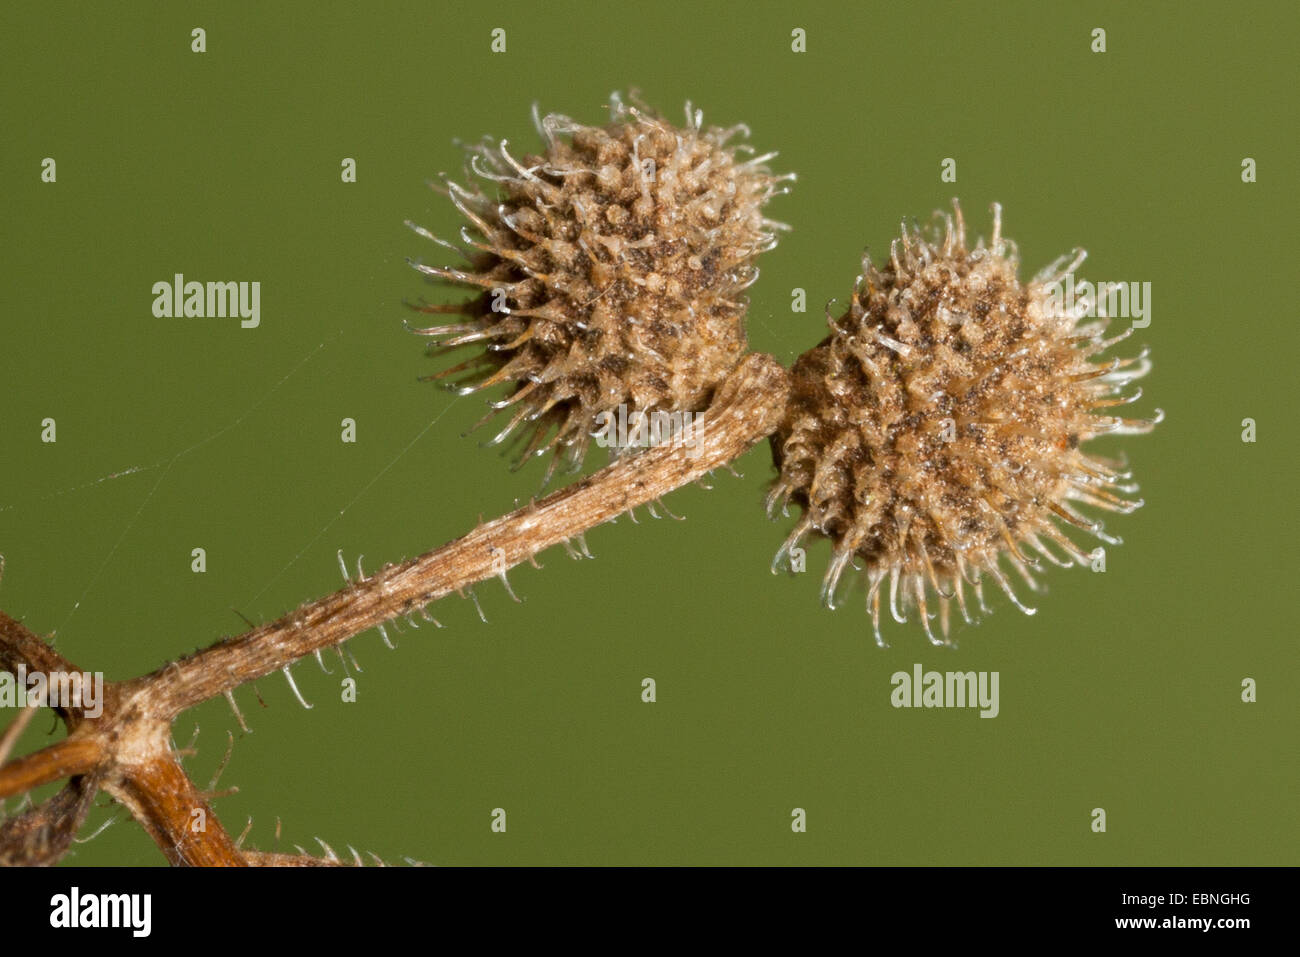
(62, 759)
(15, 731)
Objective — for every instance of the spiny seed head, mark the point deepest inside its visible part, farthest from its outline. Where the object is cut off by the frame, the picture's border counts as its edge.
(937, 429)
(612, 268)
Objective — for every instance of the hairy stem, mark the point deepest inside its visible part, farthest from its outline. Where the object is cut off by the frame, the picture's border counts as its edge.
(19, 645)
(745, 410)
(165, 801)
(62, 759)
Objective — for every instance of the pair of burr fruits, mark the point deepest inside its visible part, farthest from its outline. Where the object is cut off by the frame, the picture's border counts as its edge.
(935, 436)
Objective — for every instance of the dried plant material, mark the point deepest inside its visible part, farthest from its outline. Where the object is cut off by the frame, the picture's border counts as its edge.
(611, 268)
(40, 836)
(934, 434)
(125, 747)
(937, 431)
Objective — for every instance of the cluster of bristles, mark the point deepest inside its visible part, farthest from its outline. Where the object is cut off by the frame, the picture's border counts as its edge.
(611, 270)
(932, 435)
(936, 430)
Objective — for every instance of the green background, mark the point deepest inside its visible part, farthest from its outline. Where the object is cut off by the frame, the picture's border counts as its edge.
(1122, 693)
